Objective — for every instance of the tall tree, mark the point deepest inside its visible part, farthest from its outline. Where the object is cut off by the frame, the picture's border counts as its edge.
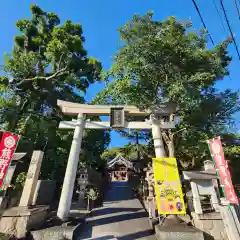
(168, 62)
(47, 63)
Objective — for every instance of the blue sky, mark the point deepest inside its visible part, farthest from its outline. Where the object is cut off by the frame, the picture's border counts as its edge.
(101, 19)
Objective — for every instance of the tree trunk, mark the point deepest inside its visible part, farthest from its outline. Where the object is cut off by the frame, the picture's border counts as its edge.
(171, 149)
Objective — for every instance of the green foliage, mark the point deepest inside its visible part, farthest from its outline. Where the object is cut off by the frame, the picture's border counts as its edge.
(48, 60)
(232, 154)
(92, 193)
(21, 178)
(91, 153)
(163, 61)
(129, 152)
(169, 62)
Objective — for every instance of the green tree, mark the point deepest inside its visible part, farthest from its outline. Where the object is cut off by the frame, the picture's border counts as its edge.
(94, 144)
(129, 151)
(168, 62)
(47, 63)
(231, 144)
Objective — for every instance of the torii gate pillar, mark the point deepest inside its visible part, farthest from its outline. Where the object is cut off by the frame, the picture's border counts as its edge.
(80, 124)
(71, 170)
(158, 141)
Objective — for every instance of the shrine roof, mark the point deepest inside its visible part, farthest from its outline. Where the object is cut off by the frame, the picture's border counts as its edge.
(120, 160)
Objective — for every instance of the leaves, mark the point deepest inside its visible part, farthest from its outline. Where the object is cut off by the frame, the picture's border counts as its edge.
(169, 62)
(48, 61)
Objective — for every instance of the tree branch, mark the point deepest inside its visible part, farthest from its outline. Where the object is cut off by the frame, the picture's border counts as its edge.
(165, 137)
(170, 135)
(60, 61)
(56, 74)
(184, 165)
(24, 104)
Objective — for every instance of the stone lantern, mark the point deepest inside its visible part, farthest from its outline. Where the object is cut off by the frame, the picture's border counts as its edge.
(82, 183)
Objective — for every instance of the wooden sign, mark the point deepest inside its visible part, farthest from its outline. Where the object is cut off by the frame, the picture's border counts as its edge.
(117, 118)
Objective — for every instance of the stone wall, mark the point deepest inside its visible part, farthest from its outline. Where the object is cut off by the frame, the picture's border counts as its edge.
(11, 199)
(211, 224)
(231, 221)
(44, 192)
(19, 220)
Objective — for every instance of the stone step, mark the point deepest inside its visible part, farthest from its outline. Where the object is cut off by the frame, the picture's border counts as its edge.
(62, 232)
(54, 233)
(178, 231)
(55, 229)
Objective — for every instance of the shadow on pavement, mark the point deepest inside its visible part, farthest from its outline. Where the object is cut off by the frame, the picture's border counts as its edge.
(84, 231)
(103, 211)
(132, 236)
(110, 237)
(119, 218)
(117, 192)
(137, 235)
(86, 228)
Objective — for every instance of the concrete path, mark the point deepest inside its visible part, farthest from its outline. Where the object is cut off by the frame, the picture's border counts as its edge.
(122, 217)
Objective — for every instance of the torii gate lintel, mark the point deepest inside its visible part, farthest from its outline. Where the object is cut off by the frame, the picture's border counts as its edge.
(83, 111)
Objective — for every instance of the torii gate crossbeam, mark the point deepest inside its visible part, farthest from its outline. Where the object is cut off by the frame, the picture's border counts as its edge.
(82, 111)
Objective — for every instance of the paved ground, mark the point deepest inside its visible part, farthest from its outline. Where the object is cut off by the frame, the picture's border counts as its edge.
(122, 217)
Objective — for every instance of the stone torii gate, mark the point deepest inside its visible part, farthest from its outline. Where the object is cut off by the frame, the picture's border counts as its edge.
(156, 121)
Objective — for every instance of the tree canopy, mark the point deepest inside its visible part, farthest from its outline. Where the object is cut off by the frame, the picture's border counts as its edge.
(128, 151)
(166, 61)
(159, 61)
(48, 62)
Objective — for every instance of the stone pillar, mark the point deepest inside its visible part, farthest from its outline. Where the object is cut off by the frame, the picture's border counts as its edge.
(214, 199)
(82, 185)
(196, 198)
(8, 178)
(158, 141)
(71, 170)
(32, 179)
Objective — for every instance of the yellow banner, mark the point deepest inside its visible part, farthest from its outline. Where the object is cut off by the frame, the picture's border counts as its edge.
(168, 187)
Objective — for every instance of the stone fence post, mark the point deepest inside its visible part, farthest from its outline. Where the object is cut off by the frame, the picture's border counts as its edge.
(32, 179)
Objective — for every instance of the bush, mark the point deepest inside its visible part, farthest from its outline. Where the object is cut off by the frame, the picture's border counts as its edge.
(20, 180)
(92, 193)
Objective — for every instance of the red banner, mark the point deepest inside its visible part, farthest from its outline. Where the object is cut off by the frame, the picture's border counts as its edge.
(222, 168)
(7, 148)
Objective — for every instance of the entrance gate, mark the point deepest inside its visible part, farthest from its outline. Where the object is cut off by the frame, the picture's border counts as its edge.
(155, 122)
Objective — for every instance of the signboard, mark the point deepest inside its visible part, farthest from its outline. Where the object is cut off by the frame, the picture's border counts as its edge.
(216, 149)
(168, 187)
(7, 148)
(117, 118)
